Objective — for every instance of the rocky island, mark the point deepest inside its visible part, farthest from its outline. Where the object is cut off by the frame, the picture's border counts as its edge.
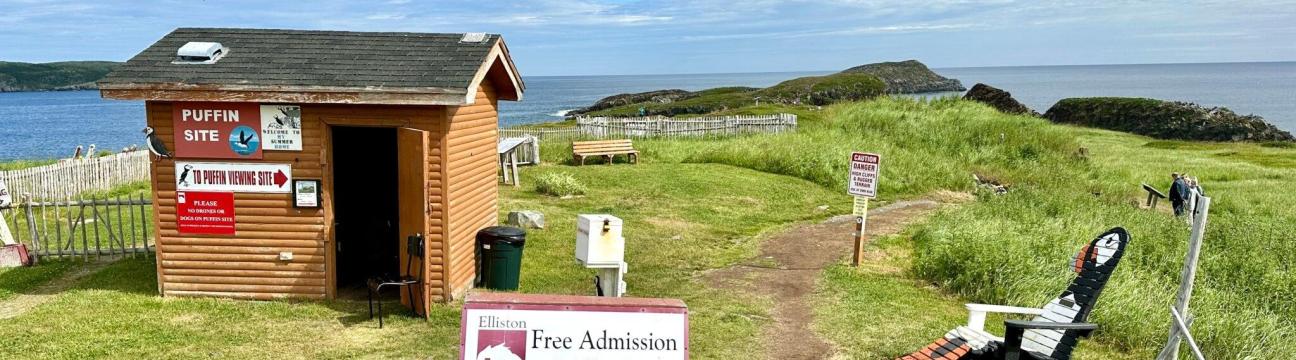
(856, 83)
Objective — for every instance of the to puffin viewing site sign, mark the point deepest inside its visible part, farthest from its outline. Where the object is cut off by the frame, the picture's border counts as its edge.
(501, 326)
(235, 177)
(281, 127)
(203, 212)
(216, 130)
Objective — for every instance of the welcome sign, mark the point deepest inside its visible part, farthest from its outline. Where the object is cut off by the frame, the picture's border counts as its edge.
(215, 130)
(501, 326)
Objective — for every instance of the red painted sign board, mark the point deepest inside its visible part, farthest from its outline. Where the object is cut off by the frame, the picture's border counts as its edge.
(216, 130)
(205, 212)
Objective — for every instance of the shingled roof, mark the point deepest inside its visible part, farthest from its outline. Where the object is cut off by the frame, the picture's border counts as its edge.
(424, 66)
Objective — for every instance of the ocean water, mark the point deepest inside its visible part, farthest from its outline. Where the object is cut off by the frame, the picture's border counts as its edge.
(43, 125)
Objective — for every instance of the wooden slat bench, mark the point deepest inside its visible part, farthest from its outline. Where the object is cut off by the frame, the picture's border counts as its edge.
(1153, 195)
(606, 148)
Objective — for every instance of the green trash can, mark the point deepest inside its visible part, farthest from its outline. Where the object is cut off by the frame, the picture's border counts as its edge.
(499, 257)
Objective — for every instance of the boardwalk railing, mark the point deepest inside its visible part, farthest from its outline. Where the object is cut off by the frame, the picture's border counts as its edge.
(650, 127)
(68, 178)
(82, 227)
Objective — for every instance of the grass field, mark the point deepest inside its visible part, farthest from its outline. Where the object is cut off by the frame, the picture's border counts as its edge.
(682, 219)
(696, 205)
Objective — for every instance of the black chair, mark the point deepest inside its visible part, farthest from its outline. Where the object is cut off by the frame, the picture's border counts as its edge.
(413, 249)
(1057, 327)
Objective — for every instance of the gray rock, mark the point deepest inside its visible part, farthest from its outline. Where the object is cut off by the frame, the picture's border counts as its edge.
(526, 219)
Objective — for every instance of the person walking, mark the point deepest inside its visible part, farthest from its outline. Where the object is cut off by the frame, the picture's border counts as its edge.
(1190, 201)
(1178, 193)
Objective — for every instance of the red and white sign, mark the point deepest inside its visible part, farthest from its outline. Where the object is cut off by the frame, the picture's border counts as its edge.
(202, 212)
(217, 130)
(235, 177)
(864, 168)
(504, 326)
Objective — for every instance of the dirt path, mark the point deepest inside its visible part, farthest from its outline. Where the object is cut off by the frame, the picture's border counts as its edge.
(21, 304)
(789, 267)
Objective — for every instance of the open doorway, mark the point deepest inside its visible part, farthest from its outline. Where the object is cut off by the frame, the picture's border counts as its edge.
(365, 206)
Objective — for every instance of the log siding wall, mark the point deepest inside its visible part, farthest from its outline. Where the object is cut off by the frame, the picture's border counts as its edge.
(245, 265)
(472, 187)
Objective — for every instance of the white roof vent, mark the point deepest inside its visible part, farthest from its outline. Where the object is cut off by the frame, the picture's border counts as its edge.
(197, 52)
(473, 37)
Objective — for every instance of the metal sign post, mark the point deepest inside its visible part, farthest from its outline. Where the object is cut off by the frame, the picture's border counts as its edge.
(864, 169)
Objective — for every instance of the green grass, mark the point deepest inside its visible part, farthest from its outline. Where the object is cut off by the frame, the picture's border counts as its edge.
(879, 311)
(23, 164)
(681, 220)
(559, 184)
(1012, 249)
(21, 280)
(695, 205)
(1244, 280)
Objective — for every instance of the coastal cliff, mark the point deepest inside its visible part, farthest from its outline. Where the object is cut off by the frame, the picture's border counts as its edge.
(857, 83)
(908, 77)
(1165, 119)
(69, 75)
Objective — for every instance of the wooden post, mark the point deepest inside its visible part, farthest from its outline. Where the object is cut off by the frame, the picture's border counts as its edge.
(1189, 274)
(513, 164)
(861, 217)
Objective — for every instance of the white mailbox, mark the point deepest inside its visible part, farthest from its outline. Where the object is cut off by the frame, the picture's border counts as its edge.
(598, 240)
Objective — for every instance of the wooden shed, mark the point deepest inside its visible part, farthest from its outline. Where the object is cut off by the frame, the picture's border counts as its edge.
(302, 161)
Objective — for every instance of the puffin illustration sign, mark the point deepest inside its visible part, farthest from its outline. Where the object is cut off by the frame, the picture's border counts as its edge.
(217, 130)
(281, 126)
(500, 326)
(235, 177)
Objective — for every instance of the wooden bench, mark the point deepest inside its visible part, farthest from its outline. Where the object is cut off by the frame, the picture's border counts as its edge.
(606, 148)
(1153, 195)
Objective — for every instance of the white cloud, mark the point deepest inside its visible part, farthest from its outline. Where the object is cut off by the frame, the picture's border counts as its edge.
(385, 17)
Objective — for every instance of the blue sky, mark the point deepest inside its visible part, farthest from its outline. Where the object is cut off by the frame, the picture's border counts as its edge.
(581, 37)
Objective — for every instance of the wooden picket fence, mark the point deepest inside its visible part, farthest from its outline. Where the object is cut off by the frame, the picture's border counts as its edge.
(71, 177)
(82, 227)
(657, 127)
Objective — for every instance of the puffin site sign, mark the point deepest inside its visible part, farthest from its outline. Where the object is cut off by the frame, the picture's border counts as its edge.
(234, 177)
(203, 212)
(502, 326)
(281, 127)
(217, 130)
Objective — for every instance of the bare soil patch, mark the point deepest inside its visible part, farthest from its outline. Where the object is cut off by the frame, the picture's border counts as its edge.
(790, 263)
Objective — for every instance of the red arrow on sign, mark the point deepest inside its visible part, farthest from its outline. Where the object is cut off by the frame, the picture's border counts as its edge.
(280, 179)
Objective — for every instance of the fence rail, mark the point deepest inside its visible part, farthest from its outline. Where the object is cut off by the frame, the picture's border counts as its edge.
(82, 227)
(650, 127)
(69, 178)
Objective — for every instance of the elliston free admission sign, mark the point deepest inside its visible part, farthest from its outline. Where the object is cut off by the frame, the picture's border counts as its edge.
(502, 326)
(217, 130)
(203, 212)
(233, 177)
(864, 168)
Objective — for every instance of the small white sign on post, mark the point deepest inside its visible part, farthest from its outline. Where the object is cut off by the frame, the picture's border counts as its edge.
(5, 198)
(863, 185)
(864, 169)
(6, 238)
(235, 177)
